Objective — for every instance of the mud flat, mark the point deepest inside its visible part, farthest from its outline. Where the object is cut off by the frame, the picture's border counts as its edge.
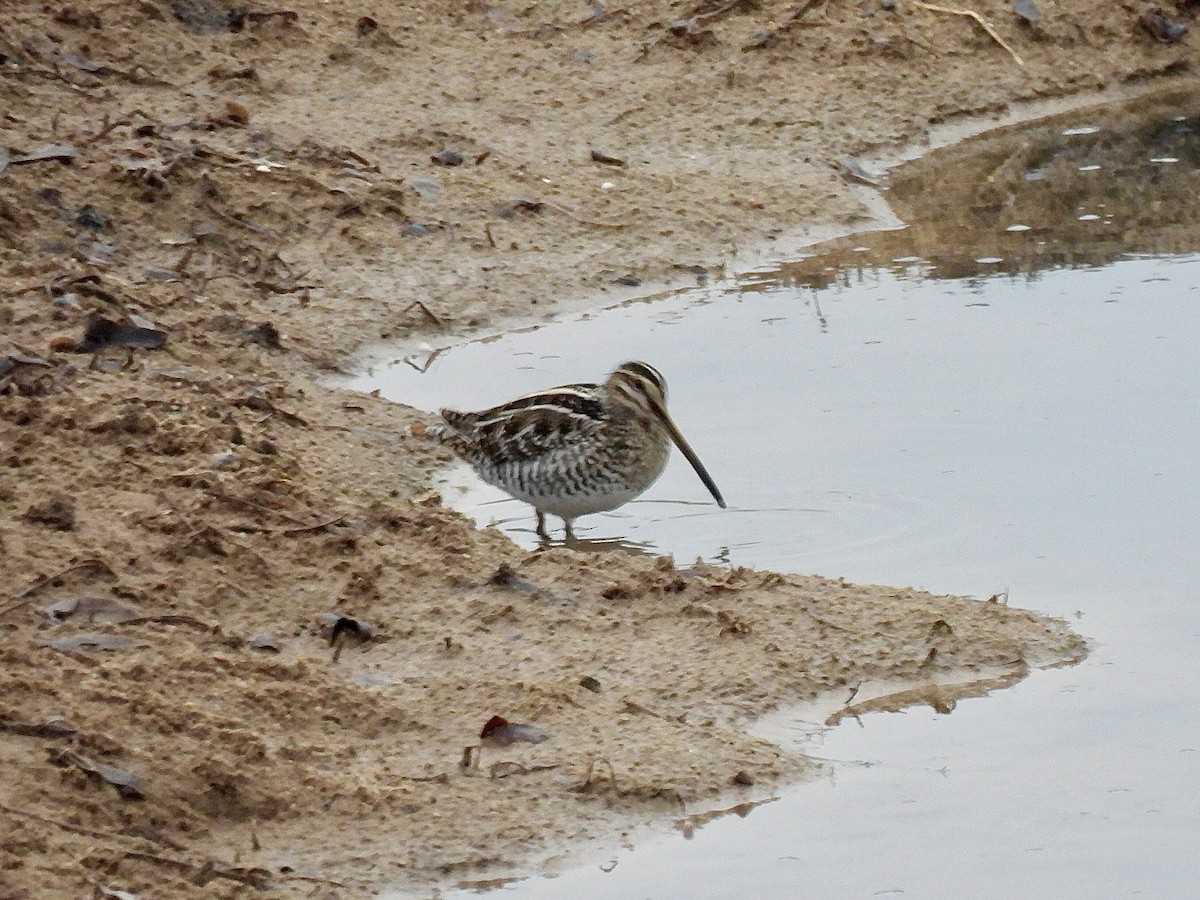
(260, 186)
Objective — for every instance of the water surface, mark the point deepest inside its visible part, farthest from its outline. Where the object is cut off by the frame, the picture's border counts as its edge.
(1003, 396)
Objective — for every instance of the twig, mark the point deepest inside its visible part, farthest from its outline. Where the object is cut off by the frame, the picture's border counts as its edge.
(971, 14)
(794, 17)
(298, 529)
(592, 767)
(171, 619)
(218, 494)
(207, 871)
(104, 130)
(317, 527)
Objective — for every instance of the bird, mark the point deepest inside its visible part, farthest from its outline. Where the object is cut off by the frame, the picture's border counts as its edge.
(577, 449)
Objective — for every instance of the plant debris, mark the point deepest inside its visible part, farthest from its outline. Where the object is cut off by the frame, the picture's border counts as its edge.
(90, 643)
(48, 153)
(341, 628)
(499, 732)
(57, 513)
(607, 159)
(127, 784)
(1158, 26)
(100, 334)
(94, 609)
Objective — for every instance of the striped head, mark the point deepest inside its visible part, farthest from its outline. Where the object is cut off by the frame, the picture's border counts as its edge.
(642, 387)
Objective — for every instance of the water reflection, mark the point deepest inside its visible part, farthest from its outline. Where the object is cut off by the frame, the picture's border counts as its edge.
(1084, 189)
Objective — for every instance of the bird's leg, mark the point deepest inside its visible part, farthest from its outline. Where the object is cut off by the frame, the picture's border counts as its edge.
(541, 528)
(569, 531)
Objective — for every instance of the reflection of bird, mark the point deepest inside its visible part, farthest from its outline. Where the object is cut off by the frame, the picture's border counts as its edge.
(575, 449)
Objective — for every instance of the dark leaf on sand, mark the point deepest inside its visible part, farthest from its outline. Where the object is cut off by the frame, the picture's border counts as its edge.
(264, 333)
(606, 158)
(499, 732)
(342, 626)
(100, 334)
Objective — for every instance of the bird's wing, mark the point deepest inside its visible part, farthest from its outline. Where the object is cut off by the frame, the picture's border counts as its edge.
(531, 427)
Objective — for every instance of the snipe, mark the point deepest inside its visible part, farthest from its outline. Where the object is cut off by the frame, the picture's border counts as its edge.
(575, 449)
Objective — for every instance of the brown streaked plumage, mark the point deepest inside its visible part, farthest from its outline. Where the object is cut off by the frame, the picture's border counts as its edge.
(575, 449)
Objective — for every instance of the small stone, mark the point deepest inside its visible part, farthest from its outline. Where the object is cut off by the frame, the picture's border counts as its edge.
(448, 158)
(264, 642)
(89, 217)
(223, 460)
(1026, 11)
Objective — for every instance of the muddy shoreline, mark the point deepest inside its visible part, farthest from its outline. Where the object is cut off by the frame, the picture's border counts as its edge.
(261, 186)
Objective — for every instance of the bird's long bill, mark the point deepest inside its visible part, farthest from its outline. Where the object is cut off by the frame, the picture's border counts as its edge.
(686, 449)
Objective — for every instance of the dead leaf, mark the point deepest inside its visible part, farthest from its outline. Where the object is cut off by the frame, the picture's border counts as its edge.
(61, 152)
(100, 333)
(237, 113)
(607, 159)
(499, 732)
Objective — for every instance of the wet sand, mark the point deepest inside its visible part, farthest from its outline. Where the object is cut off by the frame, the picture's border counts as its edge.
(210, 172)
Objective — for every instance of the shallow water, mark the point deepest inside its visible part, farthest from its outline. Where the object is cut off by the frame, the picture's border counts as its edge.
(965, 406)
